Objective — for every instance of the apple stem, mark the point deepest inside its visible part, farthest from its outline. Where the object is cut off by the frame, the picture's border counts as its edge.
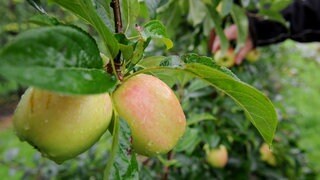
(115, 5)
(167, 168)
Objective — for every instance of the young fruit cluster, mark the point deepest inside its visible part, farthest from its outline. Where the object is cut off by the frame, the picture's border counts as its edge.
(62, 127)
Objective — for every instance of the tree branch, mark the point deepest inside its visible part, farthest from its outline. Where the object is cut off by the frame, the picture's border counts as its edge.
(115, 4)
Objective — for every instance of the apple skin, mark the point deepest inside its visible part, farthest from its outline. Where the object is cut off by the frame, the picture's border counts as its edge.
(61, 127)
(226, 60)
(153, 113)
(218, 158)
(253, 56)
(267, 155)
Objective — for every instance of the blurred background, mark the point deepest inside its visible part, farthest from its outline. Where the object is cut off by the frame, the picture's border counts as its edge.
(287, 73)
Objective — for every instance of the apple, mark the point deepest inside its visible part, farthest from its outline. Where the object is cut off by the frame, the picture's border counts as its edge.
(59, 126)
(218, 157)
(267, 155)
(153, 113)
(226, 60)
(253, 56)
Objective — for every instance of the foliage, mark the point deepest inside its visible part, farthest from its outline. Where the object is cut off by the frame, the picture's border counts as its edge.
(213, 117)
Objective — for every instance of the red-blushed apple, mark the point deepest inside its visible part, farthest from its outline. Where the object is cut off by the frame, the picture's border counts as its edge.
(153, 113)
(61, 127)
(267, 155)
(218, 157)
(227, 59)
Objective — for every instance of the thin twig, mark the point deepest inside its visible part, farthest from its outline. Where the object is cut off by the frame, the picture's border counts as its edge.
(115, 4)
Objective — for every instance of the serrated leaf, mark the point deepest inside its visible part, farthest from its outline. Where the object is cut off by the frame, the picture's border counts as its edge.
(86, 10)
(155, 29)
(258, 108)
(59, 58)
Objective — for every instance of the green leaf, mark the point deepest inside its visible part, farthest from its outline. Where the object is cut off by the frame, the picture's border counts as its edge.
(152, 6)
(59, 58)
(197, 12)
(218, 27)
(114, 148)
(43, 20)
(226, 7)
(257, 107)
(130, 11)
(124, 164)
(155, 29)
(37, 5)
(200, 117)
(189, 141)
(240, 18)
(86, 10)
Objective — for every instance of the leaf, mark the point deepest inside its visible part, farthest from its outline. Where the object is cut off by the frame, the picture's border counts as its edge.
(43, 20)
(200, 117)
(218, 27)
(123, 159)
(226, 7)
(59, 58)
(155, 29)
(197, 12)
(152, 6)
(86, 10)
(240, 18)
(189, 141)
(37, 5)
(257, 107)
(130, 11)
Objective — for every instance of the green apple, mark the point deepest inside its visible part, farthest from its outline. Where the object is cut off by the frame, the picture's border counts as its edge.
(61, 127)
(267, 155)
(253, 56)
(153, 113)
(218, 157)
(226, 60)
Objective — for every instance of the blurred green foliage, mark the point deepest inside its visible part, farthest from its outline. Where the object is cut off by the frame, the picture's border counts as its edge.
(213, 118)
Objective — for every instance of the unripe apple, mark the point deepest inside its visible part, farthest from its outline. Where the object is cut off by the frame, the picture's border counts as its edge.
(253, 56)
(153, 113)
(226, 60)
(267, 155)
(218, 157)
(61, 127)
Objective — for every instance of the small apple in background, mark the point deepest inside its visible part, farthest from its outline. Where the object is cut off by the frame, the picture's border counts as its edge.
(61, 127)
(227, 59)
(267, 155)
(253, 56)
(218, 157)
(152, 111)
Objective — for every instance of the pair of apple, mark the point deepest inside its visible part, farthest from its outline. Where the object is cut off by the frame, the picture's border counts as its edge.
(62, 127)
